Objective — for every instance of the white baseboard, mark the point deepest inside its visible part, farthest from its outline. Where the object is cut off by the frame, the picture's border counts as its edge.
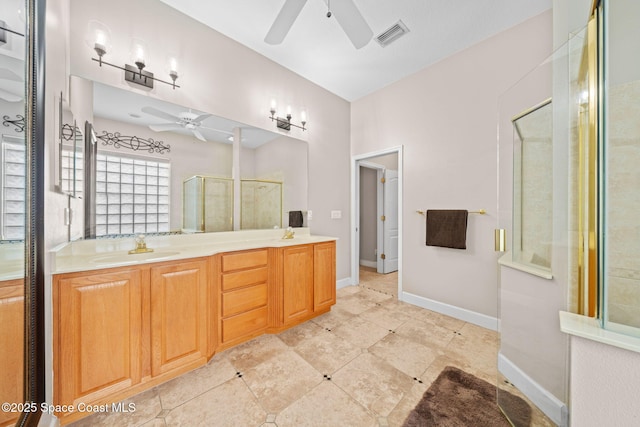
(370, 264)
(450, 310)
(343, 283)
(538, 395)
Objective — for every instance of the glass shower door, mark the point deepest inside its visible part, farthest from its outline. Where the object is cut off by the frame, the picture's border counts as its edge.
(537, 193)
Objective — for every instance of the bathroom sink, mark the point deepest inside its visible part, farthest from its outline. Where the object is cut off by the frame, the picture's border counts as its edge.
(120, 258)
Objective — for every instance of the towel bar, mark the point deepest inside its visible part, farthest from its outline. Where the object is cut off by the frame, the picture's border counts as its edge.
(480, 212)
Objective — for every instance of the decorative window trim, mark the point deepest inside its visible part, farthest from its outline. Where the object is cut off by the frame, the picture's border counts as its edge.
(134, 143)
(18, 122)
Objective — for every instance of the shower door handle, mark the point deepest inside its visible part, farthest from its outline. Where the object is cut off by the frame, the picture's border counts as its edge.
(500, 239)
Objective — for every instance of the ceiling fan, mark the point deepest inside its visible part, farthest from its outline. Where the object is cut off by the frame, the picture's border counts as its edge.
(11, 86)
(345, 11)
(185, 120)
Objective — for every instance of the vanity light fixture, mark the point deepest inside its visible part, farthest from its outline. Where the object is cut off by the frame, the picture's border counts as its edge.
(132, 73)
(285, 123)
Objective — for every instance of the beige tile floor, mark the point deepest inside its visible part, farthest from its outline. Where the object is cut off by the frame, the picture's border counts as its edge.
(366, 363)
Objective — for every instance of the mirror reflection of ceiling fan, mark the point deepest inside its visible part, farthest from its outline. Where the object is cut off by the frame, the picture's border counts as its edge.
(345, 12)
(187, 120)
(11, 85)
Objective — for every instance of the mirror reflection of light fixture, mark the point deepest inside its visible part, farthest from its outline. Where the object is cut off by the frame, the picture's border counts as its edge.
(285, 123)
(99, 38)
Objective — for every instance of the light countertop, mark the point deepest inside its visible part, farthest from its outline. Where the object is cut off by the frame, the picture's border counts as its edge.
(86, 255)
(11, 261)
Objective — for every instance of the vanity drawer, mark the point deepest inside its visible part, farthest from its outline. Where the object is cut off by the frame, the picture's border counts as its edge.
(242, 260)
(239, 279)
(244, 299)
(244, 324)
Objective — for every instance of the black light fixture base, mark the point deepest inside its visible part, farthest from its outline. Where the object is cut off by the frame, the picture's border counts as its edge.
(3, 33)
(283, 123)
(135, 75)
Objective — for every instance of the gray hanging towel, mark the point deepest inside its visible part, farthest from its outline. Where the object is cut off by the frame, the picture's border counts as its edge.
(447, 228)
(295, 218)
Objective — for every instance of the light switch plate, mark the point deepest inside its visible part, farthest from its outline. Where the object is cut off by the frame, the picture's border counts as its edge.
(309, 215)
(336, 214)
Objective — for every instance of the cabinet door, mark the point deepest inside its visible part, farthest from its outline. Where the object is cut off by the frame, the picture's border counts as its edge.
(324, 276)
(11, 346)
(178, 315)
(297, 281)
(98, 333)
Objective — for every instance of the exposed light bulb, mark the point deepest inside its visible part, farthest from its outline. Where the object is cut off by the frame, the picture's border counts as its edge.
(139, 55)
(303, 116)
(100, 45)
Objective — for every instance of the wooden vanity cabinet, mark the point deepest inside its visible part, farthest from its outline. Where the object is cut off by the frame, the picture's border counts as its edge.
(119, 331)
(324, 276)
(97, 334)
(304, 284)
(297, 283)
(243, 296)
(11, 346)
(179, 308)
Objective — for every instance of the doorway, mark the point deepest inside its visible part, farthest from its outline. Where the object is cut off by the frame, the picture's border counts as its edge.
(376, 244)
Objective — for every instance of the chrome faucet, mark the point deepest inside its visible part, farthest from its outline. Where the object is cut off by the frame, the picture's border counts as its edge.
(141, 246)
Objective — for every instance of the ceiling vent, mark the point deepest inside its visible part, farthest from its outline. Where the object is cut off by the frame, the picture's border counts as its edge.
(392, 34)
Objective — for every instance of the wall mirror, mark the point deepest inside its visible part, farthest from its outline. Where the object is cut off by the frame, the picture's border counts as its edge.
(21, 210)
(533, 186)
(68, 166)
(13, 173)
(148, 150)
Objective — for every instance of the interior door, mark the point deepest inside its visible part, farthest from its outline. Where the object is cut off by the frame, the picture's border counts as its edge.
(390, 222)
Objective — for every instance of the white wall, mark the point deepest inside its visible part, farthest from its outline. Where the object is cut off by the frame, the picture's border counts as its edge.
(226, 79)
(445, 116)
(285, 159)
(605, 385)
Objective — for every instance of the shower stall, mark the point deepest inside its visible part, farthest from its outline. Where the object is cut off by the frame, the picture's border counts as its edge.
(260, 204)
(568, 200)
(207, 204)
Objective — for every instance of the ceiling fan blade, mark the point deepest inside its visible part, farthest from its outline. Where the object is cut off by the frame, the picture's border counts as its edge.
(9, 97)
(217, 130)
(198, 135)
(7, 74)
(200, 118)
(352, 22)
(284, 21)
(165, 126)
(159, 113)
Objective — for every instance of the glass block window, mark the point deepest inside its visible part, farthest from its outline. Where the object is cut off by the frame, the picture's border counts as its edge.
(132, 195)
(71, 179)
(13, 188)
